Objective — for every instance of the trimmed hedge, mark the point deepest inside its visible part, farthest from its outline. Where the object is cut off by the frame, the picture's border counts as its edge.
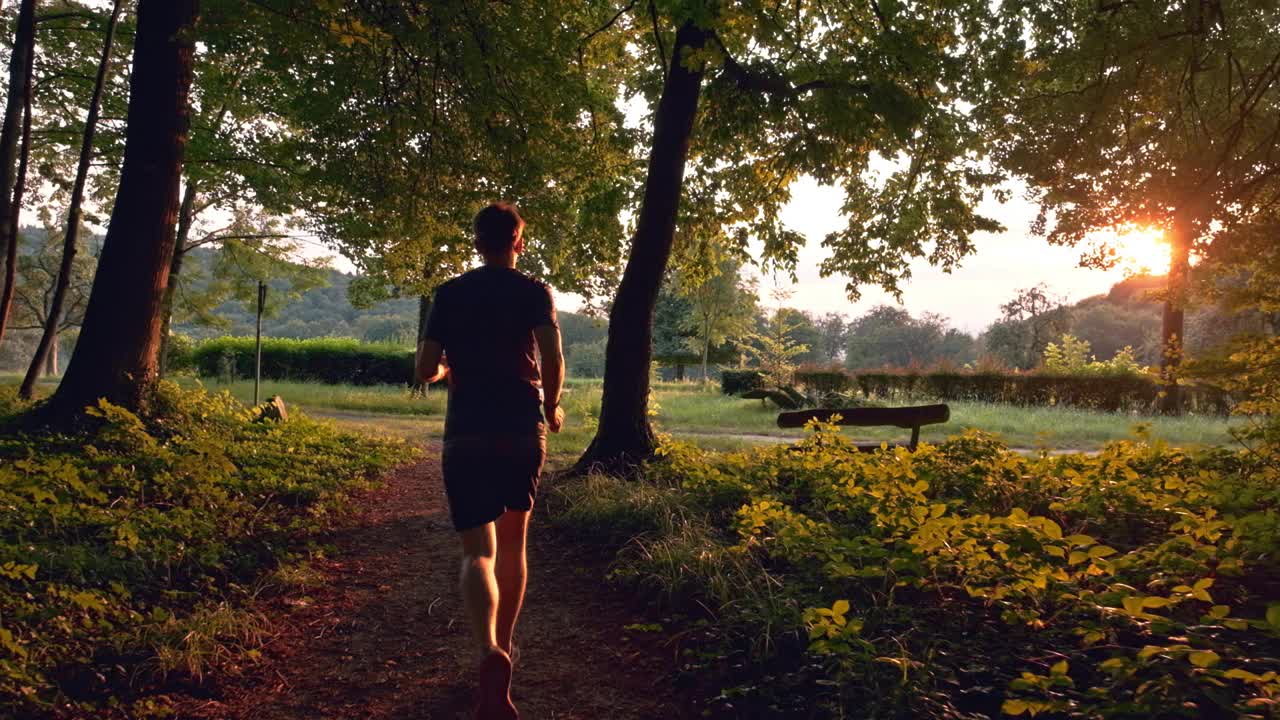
(1108, 393)
(824, 381)
(736, 382)
(1111, 393)
(326, 360)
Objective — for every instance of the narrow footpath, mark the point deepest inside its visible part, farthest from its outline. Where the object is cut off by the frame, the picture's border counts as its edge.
(383, 634)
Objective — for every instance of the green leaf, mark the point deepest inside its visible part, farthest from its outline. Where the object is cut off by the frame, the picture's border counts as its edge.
(1079, 540)
(1051, 528)
(1101, 551)
(1203, 658)
(1013, 707)
(1273, 615)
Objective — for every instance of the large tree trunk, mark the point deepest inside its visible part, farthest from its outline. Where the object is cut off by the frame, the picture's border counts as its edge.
(72, 236)
(1172, 333)
(20, 66)
(186, 216)
(15, 216)
(117, 353)
(624, 437)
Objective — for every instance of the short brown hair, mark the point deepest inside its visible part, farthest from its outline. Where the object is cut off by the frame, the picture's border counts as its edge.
(497, 227)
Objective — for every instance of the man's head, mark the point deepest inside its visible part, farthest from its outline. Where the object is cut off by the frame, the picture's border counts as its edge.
(499, 230)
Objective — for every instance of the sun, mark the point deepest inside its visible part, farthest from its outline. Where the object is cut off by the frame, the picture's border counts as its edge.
(1138, 249)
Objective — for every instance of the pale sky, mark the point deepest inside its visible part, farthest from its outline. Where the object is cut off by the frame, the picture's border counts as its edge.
(970, 296)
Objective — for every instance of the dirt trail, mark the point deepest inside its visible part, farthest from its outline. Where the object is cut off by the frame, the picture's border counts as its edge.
(384, 635)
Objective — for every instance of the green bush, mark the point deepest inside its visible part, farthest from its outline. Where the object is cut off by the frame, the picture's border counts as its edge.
(736, 382)
(181, 353)
(1111, 393)
(133, 551)
(962, 580)
(1071, 356)
(325, 360)
(823, 381)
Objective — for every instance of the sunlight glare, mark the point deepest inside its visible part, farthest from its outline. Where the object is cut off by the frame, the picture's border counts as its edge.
(1138, 250)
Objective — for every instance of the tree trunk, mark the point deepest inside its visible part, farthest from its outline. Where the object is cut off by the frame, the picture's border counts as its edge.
(1175, 301)
(20, 66)
(424, 311)
(624, 437)
(117, 353)
(186, 216)
(51, 360)
(19, 190)
(72, 236)
(706, 353)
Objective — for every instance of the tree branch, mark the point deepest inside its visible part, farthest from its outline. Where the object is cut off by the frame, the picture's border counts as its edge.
(770, 81)
(608, 24)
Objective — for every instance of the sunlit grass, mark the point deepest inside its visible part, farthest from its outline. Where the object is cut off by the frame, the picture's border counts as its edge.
(701, 414)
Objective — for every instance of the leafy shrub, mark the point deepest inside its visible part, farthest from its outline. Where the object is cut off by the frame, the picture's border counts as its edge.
(736, 382)
(966, 580)
(325, 360)
(181, 349)
(822, 381)
(130, 552)
(1072, 357)
(1110, 393)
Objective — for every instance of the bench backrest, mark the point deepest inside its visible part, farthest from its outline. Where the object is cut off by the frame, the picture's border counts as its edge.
(903, 417)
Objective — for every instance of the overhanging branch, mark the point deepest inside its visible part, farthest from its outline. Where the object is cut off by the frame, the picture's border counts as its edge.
(767, 80)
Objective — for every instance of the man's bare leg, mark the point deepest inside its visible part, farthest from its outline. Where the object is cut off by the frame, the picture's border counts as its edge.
(512, 573)
(479, 587)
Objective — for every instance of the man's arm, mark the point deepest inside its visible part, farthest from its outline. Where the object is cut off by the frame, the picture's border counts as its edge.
(548, 337)
(428, 365)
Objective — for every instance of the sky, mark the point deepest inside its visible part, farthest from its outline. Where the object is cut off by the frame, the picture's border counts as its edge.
(971, 295)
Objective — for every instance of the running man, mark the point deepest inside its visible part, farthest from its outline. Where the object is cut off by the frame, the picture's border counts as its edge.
(485, 324)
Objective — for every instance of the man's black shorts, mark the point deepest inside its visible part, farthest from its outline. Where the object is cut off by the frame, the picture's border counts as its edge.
(486, 475)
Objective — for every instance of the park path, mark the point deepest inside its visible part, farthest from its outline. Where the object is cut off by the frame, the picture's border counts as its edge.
(384, 636)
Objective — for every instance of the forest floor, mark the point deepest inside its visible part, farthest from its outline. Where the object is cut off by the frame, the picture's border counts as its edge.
(382, 633)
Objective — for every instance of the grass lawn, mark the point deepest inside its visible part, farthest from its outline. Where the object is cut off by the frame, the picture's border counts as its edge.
(716, 421)
(701, 414)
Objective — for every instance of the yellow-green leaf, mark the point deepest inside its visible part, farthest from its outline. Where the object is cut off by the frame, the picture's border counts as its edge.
(1203, 658)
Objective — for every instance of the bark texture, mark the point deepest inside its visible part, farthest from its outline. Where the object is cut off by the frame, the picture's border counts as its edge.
(116, 356)
(624, 437)
(17, 121)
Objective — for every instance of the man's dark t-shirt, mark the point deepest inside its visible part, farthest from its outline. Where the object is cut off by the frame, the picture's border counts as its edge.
(484, 320)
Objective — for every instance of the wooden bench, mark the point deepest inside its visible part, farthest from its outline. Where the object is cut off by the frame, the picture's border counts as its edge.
(904, 417)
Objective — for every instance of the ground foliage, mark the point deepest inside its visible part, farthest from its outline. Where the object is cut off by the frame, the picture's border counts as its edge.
(962, 580)
(130, 553)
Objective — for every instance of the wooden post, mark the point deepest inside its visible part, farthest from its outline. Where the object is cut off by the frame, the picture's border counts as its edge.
(257, 359)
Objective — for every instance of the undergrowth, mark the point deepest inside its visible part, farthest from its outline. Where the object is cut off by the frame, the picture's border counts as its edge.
(130, 555)
(960, 581)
